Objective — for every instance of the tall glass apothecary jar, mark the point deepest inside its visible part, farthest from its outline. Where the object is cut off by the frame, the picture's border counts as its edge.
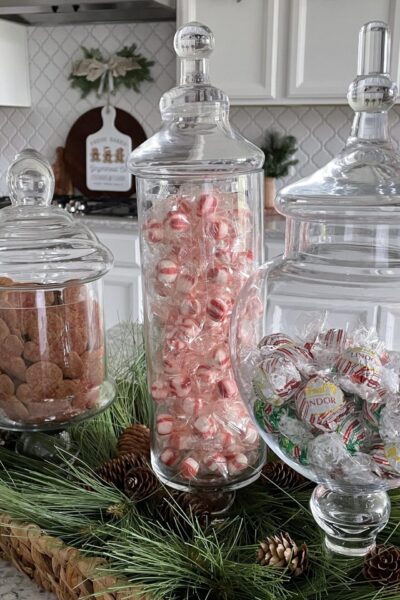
(53, 369)
(200, 215)
(323, 381)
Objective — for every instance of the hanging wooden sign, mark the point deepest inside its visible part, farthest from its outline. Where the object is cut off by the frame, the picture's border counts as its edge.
(106, 153)
(97, 148)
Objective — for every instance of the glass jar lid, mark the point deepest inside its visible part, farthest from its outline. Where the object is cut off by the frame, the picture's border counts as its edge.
(42, 244)
(363, 181)
(196, 137)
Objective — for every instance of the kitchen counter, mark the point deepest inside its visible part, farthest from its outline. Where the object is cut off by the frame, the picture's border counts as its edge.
(16, 586)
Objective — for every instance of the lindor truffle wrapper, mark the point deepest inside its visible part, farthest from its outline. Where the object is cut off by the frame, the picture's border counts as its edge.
(277, 380)
(317, 400)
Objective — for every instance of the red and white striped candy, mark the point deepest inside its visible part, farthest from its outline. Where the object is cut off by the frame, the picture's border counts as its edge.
(226, 439)
(175, 341)
(217, 309)
(218, 229)
(170, 457)
(224, 256)
(177, 221)
(250, 436)
(164, 424)
(192, 407)
(172, 363)
(216, 463)
(180, 386)
(183, 205)
(206, 374)
(205, 427)
(220, 357)
(237, 463)
(227, 388)
(180, 440)
(159, 390)
(185, 283)
(188, 328)
(206, 205)
(219, 275)
(154, 231)
(189, 468)
(243, 259)
(167, 271)
(190, 307)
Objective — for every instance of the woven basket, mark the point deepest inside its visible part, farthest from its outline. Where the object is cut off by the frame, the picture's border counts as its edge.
(56, 567)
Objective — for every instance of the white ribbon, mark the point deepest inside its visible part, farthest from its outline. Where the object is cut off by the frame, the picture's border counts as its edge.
(93, 69)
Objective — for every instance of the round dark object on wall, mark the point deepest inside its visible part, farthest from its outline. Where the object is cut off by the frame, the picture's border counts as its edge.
(75, 147)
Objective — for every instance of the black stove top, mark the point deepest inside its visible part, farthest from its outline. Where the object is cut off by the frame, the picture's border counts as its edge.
(101, 207)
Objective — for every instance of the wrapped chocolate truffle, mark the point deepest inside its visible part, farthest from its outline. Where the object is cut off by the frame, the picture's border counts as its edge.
(322, 379)
(52, 341)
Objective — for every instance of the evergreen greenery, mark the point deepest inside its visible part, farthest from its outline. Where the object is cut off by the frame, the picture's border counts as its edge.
(131, 80)
(66, 499)
(278, 149)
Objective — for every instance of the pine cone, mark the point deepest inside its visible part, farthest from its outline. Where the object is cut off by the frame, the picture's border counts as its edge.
(140, 483)
(282, 475)
(114, 471)
(282, 552)
(382, 565)
(173, 508)
(135, 438)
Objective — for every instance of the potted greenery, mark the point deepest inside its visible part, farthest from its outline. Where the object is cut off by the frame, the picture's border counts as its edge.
(278, 149)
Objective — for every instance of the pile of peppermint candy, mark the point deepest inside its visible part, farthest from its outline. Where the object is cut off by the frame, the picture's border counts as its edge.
(332, 402)
(198, 250)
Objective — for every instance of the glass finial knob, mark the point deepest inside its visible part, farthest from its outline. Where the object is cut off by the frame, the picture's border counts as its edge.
(194, 41)
(30, 179)
(373, 91)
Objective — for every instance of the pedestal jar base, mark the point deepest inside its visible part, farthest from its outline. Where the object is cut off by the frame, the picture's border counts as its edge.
(351, 521)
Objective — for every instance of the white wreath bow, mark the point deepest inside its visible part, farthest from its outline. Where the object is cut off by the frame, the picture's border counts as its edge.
(93, 69)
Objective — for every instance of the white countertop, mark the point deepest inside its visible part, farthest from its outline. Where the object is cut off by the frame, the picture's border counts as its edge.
(16, 586)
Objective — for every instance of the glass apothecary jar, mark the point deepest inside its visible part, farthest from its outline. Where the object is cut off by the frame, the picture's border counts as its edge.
(323, 381)
(200, 215)
(52, 342)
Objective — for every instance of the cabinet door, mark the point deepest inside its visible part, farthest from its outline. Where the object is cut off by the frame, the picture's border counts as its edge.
(122, 285)
(122, 296)
(14, 65)
(244, 62)
(323, 44)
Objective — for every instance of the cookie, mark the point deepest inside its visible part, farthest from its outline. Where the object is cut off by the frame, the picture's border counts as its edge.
(44, 377)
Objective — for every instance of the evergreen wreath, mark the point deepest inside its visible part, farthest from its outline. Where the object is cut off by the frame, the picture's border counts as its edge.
(94, 73)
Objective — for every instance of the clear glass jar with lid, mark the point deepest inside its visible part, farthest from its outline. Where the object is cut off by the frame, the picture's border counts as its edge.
(52, 343)
(323, 383)
(200, 213)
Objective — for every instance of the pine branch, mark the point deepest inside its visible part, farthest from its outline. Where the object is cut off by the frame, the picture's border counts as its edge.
(278, 150)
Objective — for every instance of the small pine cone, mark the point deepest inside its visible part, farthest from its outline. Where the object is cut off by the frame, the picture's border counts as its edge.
(114, 471)
(192, 505)
(282, 475)
(135, 438)
(140, 483)
(382, 565)
(282, 552)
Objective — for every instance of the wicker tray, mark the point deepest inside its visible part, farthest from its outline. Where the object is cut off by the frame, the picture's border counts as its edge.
(56, 567)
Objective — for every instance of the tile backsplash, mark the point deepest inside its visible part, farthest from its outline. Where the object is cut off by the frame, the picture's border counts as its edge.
(320, 130)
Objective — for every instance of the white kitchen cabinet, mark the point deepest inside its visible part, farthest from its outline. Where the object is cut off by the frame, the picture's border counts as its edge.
(323, 44)
(122, 285)
(289, 51)
(14, 65)
(244, 62)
